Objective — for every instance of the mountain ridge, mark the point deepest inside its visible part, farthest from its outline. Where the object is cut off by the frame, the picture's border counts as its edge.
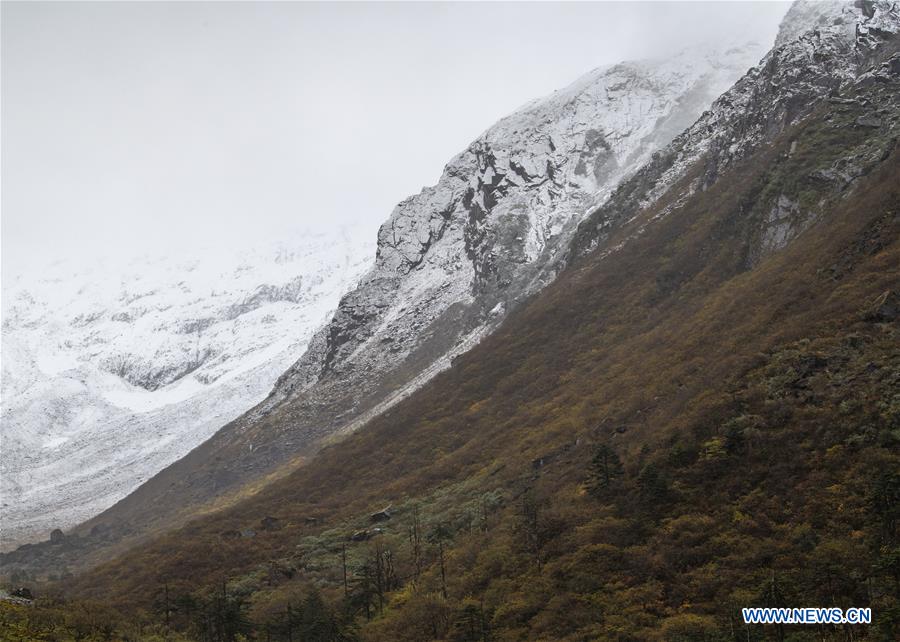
(596, 230)
(104, 386)
(453, 260)
(749, 400)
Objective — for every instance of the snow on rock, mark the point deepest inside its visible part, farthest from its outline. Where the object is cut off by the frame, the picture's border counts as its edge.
(807, 15)
(454, 259)
(115, 369)
(806, 67)
(488, 232)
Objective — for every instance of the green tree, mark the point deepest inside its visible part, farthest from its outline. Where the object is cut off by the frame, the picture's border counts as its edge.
(471, 623)
(317, 622)
(884, 504)
(653, 487)
(605, 470)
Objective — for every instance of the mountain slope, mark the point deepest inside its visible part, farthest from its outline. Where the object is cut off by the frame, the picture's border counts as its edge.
(107, 382)
(451, 262)
(748, 387)
(789, 83)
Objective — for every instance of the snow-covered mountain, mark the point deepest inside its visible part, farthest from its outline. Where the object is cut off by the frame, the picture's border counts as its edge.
(542, 186)
(821, 49)
(114, 369)
(452, 261)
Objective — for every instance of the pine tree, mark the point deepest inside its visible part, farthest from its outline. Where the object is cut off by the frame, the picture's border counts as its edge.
(317, 622)
(605, 470)
(652, 485)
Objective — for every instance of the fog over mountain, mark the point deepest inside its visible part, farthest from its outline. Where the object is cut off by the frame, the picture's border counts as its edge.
(626, 369)
(116, 368)
(133, 127)
(188, 190)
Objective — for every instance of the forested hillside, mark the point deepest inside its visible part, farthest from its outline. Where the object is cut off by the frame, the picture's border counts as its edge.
(702, 418)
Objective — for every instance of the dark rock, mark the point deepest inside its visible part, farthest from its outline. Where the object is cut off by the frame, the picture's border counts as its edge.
(381, 516)
(57, 536)
(23, 593)
(364, 534)
(854, 341)
(868, 121)
(892, 66)
(270, 523)
(885, 309)
(232, 534)
(808, 365)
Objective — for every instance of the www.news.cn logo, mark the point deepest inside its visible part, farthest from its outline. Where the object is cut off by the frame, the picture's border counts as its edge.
(809, 615)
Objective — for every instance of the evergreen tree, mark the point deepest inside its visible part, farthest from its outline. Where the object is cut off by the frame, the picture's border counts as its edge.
(653, 487)
(317, 622)
(605, 470)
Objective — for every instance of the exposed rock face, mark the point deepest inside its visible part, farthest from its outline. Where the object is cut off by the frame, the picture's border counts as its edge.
(886, 308)
(854, 48)
(778, 224)
(454, 259)
(809, 15)
(381, 516)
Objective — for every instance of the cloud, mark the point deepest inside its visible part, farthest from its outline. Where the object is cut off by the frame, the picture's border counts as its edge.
(133, 127)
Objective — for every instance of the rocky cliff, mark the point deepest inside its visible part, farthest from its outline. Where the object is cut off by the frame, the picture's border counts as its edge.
(452, 261)
(843, 49)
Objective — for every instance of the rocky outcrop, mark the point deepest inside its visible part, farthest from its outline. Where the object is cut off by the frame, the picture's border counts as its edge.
(849, 46)
(885, 309)
(810, 15)
(382, 515)
(453, 260)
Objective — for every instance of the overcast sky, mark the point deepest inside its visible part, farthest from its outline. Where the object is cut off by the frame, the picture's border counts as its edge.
(130, 127)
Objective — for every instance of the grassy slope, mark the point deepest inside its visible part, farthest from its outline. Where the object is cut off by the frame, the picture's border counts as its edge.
(752, 409)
